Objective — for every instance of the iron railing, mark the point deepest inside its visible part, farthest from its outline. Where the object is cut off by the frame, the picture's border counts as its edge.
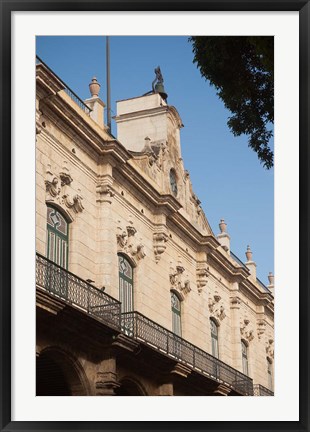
(67, 89)
(260, 390)
(143, 329)
(77, 292)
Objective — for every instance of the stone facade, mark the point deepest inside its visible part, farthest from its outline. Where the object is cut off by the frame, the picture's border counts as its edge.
(133, 198)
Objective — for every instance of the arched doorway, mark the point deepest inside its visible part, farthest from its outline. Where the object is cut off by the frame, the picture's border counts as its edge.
(57, 374)
(129, 387)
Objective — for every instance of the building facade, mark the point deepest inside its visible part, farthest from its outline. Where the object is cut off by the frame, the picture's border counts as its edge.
(135, 293)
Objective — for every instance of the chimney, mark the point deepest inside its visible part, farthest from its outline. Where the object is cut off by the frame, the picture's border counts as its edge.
(223, 237)
(95, 103)
(271, 283)
(251, 265)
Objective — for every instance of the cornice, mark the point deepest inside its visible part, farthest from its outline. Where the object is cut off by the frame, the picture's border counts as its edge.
(168, 203)
(247, 287)
(47, 81)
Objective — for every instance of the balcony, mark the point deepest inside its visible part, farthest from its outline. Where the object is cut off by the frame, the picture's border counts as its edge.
(142, 329)
(81, 295)
(77, 293)
(260, 390)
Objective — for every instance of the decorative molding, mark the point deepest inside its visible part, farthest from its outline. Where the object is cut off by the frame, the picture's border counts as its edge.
(246, 330)
(270, 348)
(160, 238)
(222, 390)
(127, 241)
(235, 302)
(74, 203)
(60, 195)
(181, 370)
(51, 183)
(261, 327)
(178, 279)
(104, 189)
(202, 273)
(216, 307)
(106, 383)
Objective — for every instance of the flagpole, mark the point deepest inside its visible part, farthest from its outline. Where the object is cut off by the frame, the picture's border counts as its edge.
(108, 83)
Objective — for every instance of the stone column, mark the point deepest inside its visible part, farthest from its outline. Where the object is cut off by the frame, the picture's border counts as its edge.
(107, 266)
(165, 389)
(106, 377)
(235, 327)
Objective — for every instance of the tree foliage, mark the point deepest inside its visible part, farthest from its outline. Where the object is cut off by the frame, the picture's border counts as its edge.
(241, 70)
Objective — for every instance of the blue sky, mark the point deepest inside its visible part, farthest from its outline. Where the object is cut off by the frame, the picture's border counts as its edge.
(226, 175)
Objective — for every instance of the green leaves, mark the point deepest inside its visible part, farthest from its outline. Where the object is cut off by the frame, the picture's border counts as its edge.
(241, 70)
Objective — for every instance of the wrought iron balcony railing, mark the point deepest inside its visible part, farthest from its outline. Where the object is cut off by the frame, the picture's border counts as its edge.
(77, 292)
(67, 89)
(143, 329)
(260, 390)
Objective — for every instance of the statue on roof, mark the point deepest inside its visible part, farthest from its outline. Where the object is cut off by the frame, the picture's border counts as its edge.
(158, 83)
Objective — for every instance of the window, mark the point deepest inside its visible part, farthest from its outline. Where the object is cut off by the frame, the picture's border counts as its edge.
(176, 314)
(173, 182)
(245, 366)
(214, 338)
(57, 237)
(269, 370)
(125, 284)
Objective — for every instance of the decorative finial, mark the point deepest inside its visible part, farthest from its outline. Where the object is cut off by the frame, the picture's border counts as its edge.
(222, 225)
(94, 87)
(271, 278)
(248, 253)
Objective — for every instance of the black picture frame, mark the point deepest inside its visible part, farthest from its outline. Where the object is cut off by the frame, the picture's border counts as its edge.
(7, 7)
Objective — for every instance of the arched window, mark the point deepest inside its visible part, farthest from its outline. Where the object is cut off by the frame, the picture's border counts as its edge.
(269, 370)
(214, 338)
(173, 182)
(57, 237)
(125, 284)
(176, 314)
(245, 365)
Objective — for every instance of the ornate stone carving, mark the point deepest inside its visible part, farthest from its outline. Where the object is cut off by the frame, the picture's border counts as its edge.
(202, 272)
(246, 330)
(235, 302)
(270, 348)
(261, 327)
(74, 203)
(178, 280)
(61, 194)
(128, 242)
(51, 183)
(65, 176)
(160, 239)
(105, 190)
(216, 307)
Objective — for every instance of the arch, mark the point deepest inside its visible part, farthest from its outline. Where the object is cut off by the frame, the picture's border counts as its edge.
(173, 178)
(66, 213)
(130, 387)
(126, 282)
(58, 373)
(179, 294)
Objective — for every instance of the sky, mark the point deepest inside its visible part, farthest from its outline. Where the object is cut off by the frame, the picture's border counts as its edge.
(226, 174)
